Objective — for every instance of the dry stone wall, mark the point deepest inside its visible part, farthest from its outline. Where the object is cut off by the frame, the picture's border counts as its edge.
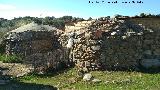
(151, 41)
(90, 45)
(113, 44)
(38, 45)
(149, 23)
(151, 50)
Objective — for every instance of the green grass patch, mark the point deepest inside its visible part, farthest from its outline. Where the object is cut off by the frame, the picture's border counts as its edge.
(10, 58)
(110, 80)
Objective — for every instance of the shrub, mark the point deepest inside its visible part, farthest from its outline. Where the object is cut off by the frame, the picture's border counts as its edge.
(10, 58)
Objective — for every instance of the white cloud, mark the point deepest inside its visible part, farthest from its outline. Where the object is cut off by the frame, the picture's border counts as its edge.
(4, 7)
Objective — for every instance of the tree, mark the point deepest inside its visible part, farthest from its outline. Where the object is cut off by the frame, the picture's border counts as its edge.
(90, 18)
(118, 15)
(66, 18)
(79, 19)
(142, 15)
(74, 19)
(158, 15)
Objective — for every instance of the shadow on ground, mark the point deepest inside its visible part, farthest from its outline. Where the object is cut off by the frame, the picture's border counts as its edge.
(8, 83)
(15, 85)
(142, 69)
(51, 72)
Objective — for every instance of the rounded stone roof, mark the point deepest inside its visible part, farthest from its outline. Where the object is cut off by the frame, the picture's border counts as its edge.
(34, 27)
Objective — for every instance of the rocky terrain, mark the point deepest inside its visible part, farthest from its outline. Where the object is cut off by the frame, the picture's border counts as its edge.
(9, 70)
(15, 69)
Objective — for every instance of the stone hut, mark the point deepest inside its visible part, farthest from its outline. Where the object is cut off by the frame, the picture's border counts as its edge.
(38, 44)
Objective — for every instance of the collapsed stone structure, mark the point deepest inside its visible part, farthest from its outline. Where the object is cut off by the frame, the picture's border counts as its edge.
(37, 44)
(90, 45)
(113, 44)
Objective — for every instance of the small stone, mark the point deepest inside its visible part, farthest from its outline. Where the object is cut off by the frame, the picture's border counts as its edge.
(95, 47)
(124, 37)
(96, 80)
(21, 74)
(113, 33)
(87, 77)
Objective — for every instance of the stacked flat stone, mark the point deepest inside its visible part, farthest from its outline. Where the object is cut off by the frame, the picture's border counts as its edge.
(121, 54)
(107, 44)
(86, 53)
(151, 49)
(37, 44)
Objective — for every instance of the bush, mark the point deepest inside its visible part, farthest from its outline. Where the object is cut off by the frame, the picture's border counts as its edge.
(10, 58)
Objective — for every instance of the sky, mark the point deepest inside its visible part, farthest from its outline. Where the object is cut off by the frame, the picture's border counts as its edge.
(76, 8)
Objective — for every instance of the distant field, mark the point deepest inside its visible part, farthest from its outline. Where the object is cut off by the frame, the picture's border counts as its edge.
(110, 80)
